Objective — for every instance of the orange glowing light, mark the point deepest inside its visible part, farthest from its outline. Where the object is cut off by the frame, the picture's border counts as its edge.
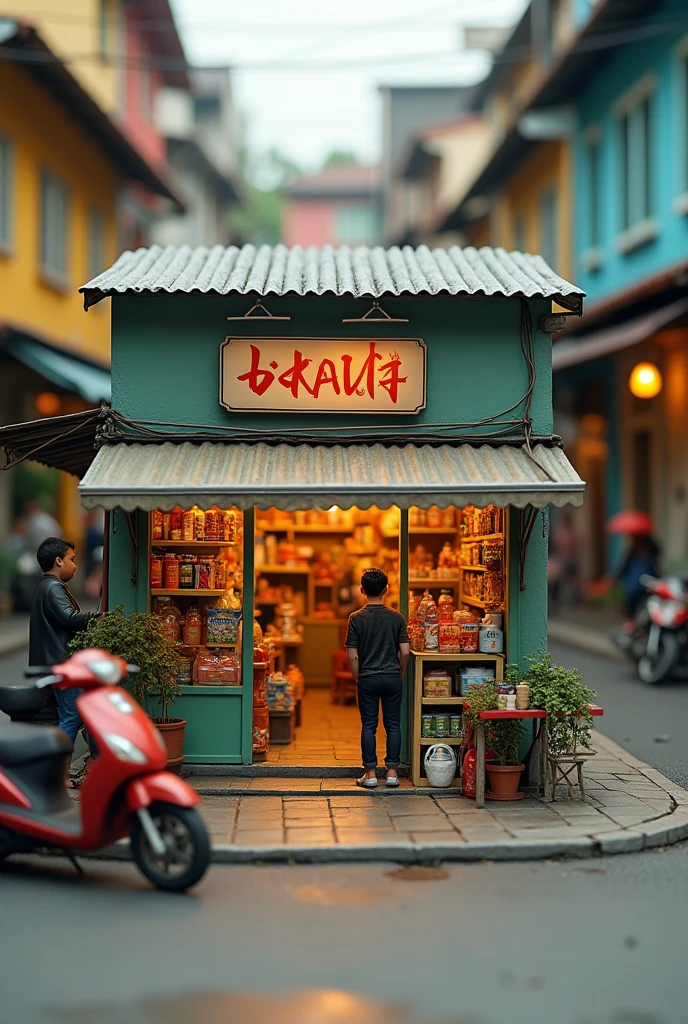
(645, 380)
(48, 404)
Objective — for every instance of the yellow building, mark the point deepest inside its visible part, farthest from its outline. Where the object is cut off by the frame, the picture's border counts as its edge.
(63, 163)
(522, 198)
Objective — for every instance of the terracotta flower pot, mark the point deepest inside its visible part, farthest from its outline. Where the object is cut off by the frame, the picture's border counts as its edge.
(504, 781)
(172, 730)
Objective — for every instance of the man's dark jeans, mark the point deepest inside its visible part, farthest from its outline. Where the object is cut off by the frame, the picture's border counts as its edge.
(373, 691)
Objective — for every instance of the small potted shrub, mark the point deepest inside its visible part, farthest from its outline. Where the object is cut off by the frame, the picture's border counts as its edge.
(503, 738)
(562, 693)
(139, 639)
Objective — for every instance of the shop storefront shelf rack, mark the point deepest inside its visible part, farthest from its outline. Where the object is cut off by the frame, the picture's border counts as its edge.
(421, 661)
(187, 592)
(193, 544)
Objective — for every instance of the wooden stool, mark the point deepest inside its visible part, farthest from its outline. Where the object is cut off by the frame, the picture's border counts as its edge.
(343, 683)
(558, 772)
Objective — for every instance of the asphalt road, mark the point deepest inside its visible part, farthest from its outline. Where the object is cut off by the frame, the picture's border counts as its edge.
(649, 721)
(598, 941)
(580, 942)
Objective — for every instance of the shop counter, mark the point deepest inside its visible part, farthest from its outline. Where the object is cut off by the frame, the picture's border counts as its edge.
(213, 723)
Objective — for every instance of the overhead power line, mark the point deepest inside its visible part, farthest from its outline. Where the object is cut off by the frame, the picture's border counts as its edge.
(599, 41)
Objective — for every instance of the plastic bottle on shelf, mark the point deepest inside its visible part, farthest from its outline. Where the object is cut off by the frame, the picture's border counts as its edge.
(432, 627)
(192, 627)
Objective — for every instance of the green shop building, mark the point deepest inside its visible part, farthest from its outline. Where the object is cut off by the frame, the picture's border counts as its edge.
(282, 419)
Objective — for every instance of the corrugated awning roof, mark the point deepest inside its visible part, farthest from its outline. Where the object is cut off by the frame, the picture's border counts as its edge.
(373, 272)
(572, 352)
(149, 476)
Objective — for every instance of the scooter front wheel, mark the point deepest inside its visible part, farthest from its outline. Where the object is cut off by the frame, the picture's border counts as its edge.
(187, 847)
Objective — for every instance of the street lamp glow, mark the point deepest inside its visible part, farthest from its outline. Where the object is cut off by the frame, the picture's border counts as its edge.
(645, 380)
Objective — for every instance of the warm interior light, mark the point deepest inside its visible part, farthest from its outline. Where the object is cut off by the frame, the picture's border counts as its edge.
(645, 380)
(48, 404)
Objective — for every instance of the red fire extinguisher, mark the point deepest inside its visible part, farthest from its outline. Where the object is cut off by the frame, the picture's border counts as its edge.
(469, 772)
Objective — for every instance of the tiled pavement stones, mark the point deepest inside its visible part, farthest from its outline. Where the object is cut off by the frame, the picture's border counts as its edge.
(629, 807)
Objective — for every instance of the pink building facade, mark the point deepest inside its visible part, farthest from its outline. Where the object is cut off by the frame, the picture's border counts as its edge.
(338, 206)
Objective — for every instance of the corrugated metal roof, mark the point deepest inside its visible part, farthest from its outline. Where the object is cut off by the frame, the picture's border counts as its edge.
(373, 272)
(149, 476)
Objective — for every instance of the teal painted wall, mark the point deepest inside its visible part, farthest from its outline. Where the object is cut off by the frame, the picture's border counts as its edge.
(165, 356)
(165, 366)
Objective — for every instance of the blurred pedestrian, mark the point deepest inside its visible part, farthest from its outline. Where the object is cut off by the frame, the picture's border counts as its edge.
(564, 559)
(55, 618)
(39, 524)
(642, 558)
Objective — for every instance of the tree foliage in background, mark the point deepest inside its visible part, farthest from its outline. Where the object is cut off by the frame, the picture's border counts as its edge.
(258, 219)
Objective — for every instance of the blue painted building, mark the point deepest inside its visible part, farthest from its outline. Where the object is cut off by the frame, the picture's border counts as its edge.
(630, 172)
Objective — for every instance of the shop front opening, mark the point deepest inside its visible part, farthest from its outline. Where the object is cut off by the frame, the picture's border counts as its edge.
(447, 571)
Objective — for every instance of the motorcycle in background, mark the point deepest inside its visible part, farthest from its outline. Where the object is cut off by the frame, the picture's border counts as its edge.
(667, 638)
(632, 638)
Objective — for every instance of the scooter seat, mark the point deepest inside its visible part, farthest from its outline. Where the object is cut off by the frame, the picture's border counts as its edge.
(21, 744)
(21, 698)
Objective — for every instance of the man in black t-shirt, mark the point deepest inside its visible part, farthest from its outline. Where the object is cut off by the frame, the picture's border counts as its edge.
(377, 648)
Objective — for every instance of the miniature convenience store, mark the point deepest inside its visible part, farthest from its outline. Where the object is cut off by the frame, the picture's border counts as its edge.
(283, 419)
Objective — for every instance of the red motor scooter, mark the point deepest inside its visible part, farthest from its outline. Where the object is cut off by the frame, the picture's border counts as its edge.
(127, 791)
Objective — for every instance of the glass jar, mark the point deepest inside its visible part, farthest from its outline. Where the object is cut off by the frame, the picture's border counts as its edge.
(176, 519)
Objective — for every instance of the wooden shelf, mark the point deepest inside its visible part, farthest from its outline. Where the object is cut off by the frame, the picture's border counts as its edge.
(193, 544)
(182, 644)
(453, 741)
(442, 700)
(284, 570)
(474, 601)
(186, 592)
(480, 537)
(476, 568)
(432, 529)
(438, 656)
(322, 583)
(435, 584)
(318, 528)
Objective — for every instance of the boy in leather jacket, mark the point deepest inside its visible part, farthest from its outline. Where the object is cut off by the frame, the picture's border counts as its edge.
(55, 618)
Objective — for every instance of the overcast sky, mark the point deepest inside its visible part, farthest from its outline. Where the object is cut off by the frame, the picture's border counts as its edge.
(347, 50)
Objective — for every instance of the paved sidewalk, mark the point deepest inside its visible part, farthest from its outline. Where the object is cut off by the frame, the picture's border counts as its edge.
(14, 633)
(629, 807)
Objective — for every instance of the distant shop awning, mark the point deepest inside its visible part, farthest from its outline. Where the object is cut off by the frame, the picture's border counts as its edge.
(614, 339)
(293, 477)
(66, 442)
(63, 369)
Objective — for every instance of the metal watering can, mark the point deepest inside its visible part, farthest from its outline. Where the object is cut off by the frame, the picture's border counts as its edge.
(440, 765)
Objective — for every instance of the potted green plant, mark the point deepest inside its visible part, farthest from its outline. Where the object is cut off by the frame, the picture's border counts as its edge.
(140, 640)
(562, 693)
(502, 737)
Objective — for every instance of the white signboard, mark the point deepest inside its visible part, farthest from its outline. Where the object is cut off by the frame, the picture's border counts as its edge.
(322, 375)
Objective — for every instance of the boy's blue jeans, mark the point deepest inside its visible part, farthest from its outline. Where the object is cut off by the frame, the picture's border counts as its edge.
(68, 718)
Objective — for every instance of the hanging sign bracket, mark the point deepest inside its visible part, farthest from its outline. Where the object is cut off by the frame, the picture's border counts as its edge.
(263, 314)
(376, 315)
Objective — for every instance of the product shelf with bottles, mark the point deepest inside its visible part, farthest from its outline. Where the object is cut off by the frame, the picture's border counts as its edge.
(195, 577)
(433, 672)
